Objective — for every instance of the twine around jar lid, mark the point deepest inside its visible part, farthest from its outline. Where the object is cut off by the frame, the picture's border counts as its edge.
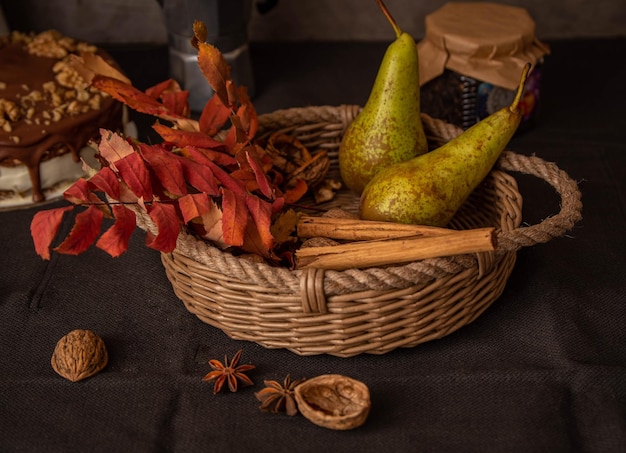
(486, 41)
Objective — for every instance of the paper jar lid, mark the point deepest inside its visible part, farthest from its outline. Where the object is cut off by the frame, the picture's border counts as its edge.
(486, 41)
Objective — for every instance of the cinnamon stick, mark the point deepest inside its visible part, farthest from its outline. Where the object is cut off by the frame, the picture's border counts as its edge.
(362, 230)
(364, 254)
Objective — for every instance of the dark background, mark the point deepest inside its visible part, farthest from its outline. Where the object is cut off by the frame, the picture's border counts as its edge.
(542, 370)
(142, 21)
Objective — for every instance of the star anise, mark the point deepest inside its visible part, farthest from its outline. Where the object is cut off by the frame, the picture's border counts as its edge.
(277, 397)
(228, 372)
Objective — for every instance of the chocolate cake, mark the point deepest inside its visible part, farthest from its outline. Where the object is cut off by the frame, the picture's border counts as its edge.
(48, 113)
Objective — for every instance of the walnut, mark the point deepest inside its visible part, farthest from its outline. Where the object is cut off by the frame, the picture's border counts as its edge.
(94, 102)
(79, 355)
(82, 95)
(46, 44)
(85, 47)
(56, 99)
(334, 401)
(56, 115)
(68, 77)
(8, 111)
(73, 107)
(326, 190)
(49, 87)
(33, 96)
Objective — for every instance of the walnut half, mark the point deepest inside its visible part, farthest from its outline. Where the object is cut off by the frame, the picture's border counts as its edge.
(334, 401)
(79, 355)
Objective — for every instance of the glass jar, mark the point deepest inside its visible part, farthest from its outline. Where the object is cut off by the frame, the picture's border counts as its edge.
(471, 59)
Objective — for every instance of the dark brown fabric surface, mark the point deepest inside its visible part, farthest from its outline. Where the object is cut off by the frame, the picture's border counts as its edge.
(543, 369)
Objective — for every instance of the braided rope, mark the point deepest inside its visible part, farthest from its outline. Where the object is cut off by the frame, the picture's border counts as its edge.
(551, 227)
(280, 119)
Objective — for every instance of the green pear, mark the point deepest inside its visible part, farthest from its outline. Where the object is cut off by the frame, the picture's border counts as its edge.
(389, 128)
(429, 189)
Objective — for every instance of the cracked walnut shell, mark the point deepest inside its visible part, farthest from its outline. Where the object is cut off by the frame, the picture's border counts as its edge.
(79, 355)
(334, 401)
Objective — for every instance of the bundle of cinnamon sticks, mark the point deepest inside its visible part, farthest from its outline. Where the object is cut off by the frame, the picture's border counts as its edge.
(382, 243)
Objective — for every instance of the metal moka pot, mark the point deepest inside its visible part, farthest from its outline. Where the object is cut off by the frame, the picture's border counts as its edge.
(227, 27)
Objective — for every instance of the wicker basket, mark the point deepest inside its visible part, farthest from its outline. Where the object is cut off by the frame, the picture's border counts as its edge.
(375, 310)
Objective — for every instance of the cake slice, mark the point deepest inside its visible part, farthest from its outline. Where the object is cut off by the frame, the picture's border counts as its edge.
(48, 115)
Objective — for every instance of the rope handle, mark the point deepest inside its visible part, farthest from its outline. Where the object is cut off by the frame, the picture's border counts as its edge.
(553, 226)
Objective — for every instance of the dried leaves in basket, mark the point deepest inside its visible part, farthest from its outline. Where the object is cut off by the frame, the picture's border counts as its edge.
(210, 176)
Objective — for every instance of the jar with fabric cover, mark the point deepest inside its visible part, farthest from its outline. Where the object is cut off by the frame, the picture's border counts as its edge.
(471, 58)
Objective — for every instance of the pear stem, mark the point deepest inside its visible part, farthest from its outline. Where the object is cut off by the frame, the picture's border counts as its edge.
(390, 18)
(514, 107)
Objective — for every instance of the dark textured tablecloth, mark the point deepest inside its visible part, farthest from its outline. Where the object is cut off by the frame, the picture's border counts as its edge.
(542, 370)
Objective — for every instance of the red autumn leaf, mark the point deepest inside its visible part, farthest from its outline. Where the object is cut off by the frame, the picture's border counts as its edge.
(44, 227)
(113, 146)
(241, 135)
(253, 243)
(267, 161)
(231, 138)
(199, 33)
(84, 233)
(168, 226)
(261, 212)
(199, 176)
(182, 138)
(106, 181)
(212, 224)
(247, 114)
(194, 205)
(215, 69)
(239, 151)
(295, 193)
(127, 195)
(232, 92)
(114, 241)
(261, 177)
(80, 193)
(214, 116)
(169, 85)
(89, 64)
(246, 177)
(176, 102)
(278, 205)
(234, 217)
(133, 171)
(131, 96)
(200, 155)
(167, 168)
(227, 180)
